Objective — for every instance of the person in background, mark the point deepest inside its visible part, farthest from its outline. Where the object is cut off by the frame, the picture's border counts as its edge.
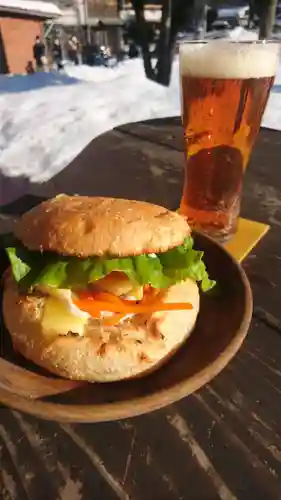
(29, 68)
(73, 49)
(39, 54)
(133, 50)
(57, 54)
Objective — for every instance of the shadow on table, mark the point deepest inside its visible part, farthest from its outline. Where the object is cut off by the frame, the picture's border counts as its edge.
(12, 188)
(113, 164)
(141, 161)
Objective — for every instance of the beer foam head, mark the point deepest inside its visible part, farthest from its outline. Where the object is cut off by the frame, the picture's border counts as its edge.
(223, 59)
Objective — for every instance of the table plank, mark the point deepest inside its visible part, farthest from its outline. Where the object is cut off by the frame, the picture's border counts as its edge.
(11, 487)
(223, 442)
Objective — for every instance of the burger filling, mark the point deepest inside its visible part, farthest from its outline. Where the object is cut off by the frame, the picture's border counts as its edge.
(109, 290)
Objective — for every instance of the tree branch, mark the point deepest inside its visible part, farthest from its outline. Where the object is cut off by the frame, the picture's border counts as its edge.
(164, 49)
(138, 6)
(174, 17)
(267, 17)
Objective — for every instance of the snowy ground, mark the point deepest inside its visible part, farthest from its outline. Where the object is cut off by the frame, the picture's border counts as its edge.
(43, 128)
(47, 119)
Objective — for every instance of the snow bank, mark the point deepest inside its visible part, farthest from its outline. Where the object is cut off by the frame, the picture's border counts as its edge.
(47, 9)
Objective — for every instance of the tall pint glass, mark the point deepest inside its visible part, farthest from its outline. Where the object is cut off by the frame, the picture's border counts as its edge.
(224, 91)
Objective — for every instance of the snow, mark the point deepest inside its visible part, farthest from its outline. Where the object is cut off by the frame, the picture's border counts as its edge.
(46, 119)
(34, 6)
(42, 129)
(237, 34)
(151, 15)
(232, 12)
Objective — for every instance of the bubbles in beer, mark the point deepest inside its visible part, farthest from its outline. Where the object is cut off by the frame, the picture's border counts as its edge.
(221, 169)
(229, 60)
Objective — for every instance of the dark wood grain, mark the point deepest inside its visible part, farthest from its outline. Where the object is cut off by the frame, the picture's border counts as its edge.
(224, 442)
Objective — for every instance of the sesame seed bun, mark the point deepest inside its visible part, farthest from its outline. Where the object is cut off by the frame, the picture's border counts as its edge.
(103, 354)
(85, 226)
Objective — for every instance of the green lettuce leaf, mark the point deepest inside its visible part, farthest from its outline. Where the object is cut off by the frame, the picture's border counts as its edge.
(19, 267)
(159, 270)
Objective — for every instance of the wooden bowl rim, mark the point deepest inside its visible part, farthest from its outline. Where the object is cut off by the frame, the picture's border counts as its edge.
(142, 404)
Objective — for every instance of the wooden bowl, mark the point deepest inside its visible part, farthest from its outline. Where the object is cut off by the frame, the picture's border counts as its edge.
(223, 321)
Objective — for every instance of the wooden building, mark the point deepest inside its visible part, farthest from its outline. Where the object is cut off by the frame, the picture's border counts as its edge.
(20, 22)
(92, 21)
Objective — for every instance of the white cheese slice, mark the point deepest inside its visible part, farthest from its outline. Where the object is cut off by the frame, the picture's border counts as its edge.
(57, 318)
(65, 296)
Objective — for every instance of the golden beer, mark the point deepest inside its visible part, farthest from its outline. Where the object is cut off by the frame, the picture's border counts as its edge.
(224, 92)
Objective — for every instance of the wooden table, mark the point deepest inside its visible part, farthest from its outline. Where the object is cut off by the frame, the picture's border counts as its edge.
(223, 442)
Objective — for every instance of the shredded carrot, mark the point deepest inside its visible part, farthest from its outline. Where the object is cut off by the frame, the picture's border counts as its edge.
(95, 302)
(107, 296)
(85, 294)
(94, 306)
(148, 297)
(100, 296)
(151, 295)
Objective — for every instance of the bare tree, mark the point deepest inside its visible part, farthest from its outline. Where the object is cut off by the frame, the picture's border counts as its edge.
(267, 13)
(199, 16)
(174, 17)
(164, 47)
(138, 6)
(175, 14)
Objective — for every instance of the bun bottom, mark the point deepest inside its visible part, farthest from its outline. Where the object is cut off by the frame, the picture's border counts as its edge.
(104, 354)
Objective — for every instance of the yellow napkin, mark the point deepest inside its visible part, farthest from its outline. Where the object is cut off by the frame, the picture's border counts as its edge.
(249, 233)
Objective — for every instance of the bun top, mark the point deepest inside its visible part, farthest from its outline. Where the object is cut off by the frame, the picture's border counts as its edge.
(85, 226)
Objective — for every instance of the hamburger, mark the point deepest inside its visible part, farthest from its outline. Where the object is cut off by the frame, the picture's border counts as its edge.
(101, 289)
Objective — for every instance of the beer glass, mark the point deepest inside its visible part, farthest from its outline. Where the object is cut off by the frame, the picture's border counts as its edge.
(225, 86)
